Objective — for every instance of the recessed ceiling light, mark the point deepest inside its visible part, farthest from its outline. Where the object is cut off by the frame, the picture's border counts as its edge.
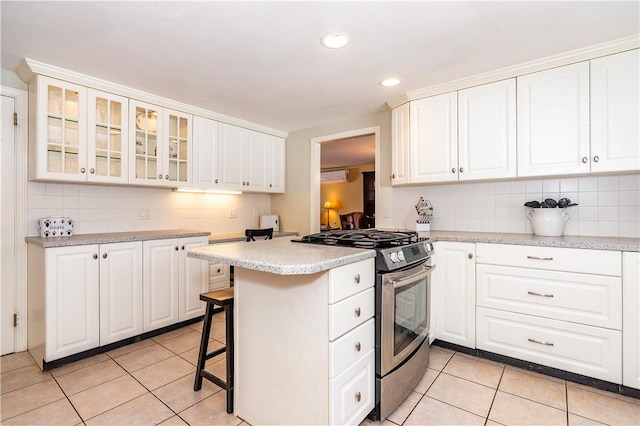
(390, 82)
(334, 40)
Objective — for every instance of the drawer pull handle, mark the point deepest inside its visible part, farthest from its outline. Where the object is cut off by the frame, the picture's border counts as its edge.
(357, 278)
(358, 346)
(357, 312)
(533, 293)
(539, 258)
(540, 343)
(358, 396)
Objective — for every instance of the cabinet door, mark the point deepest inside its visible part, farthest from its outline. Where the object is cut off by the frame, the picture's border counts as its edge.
(218, 276)
(487, 131)
(232, 143)
(631, 319)
(434, 144)
(108, 153)
(160, 285)
(58, 149)
(400, 140)
(177, 142)
(276, 164)
(553, 121)
(194, 279)
(120, 291)
(145, 124)
(205, 153)
(255, 162)
(454, 282)
(615, 134)
(72, 300)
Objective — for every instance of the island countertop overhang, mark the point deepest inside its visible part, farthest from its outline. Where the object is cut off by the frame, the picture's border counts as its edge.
(281, 256)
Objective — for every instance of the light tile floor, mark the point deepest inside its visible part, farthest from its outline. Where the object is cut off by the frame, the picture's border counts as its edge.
(151, 382)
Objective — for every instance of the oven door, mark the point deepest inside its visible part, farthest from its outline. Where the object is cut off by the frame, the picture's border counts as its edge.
(405, 314)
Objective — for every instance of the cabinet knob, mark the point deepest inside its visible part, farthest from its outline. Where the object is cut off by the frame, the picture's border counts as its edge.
(358, 312)
(453, 170)
(82, 170)
(177, 248)
(596, 159)
(218, 270)
(182, 247)
(270, 186)
(216, 181)
(95, 255)
(393, 176)
(585, 159)
(358, 346)
(461, 170)
(104, 255)
(358, 396)
(92, 170)
(166, 177)
(160, 176)
(247, 183)
(470, 255)
(357, 278)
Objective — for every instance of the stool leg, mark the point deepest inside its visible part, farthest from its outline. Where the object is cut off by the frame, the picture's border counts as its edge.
(229, 338)
(204, 343)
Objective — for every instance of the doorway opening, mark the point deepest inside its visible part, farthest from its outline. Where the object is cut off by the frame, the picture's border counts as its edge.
(333, 152)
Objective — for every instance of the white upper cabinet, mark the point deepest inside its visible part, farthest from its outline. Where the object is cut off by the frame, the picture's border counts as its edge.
(400, 142)
(553, 121)
(205, 153)
(108, 153)
(487, 131)
(434, 145)
(615, 114)
(276, 164)
(160, 144)
(232, 143)
(58, 130)
(255, 162)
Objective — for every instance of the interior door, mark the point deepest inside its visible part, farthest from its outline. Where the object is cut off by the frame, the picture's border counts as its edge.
(7, 221)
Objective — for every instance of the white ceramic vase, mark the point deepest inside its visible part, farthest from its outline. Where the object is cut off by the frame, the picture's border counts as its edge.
(548, 222)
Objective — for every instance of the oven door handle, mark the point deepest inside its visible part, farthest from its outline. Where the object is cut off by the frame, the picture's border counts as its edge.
(411, 279)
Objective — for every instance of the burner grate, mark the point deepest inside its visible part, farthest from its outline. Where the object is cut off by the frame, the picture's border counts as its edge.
(365, 238)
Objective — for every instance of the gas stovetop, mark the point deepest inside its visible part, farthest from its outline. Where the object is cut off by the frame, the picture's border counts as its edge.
(363, 238)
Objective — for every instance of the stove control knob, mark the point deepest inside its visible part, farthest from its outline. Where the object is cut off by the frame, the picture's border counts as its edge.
(401, 255)
(394, 257)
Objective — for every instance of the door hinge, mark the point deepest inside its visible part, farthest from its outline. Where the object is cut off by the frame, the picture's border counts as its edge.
(15, 320)
(15, 118)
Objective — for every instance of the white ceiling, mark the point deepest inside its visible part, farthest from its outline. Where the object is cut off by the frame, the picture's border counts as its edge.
(262, 61)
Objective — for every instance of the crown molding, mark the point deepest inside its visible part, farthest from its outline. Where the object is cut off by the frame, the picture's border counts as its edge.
(28, 68)
(566, 58)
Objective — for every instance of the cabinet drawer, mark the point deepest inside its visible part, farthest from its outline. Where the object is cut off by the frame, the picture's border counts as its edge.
(591, 351)
(582, 298)
(350, 279)
(585, 261)
(351, 394)
(346, 350)
(350, 313)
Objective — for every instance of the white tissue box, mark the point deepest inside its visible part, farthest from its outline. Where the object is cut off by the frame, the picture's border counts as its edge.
(55, 226)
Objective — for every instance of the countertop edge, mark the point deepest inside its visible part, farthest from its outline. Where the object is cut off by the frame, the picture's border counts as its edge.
(114, 237)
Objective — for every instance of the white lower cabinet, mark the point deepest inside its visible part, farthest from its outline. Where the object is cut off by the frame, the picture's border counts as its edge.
(631, 320)
(454, 293)
(120, 291)
(218, 276)
(172, 282)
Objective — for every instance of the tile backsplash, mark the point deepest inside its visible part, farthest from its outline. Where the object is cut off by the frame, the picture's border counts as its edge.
(96, 208)
(608, 205)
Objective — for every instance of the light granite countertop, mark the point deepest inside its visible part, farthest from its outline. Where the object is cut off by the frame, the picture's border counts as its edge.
(233, 237)
(114, 237)
(567, 241)
(281, 256)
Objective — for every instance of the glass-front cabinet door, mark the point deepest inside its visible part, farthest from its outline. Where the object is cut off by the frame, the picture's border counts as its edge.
(177, 156)
(146, 148)
(58, 146)
(107, 159)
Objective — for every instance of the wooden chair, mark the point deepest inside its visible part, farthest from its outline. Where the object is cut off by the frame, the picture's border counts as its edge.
(251, 233)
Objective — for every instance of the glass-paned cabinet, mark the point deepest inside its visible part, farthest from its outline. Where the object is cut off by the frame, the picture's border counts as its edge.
(58, 133)
(108, 138)
(160, 142)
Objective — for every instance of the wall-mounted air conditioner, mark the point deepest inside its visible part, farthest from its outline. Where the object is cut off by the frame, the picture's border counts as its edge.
(334, 176)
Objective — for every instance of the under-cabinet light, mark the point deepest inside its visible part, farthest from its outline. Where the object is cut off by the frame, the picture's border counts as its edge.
(208, 191)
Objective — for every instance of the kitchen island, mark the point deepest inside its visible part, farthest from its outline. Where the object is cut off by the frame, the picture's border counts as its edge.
(303, 326)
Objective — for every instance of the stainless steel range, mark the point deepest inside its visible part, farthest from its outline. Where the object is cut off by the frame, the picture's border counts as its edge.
(403, 289)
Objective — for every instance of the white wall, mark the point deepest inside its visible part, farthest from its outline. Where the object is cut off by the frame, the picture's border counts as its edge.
(608, 205)
(96, 208)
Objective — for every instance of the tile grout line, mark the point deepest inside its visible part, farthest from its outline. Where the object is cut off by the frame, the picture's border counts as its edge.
(493, 400)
